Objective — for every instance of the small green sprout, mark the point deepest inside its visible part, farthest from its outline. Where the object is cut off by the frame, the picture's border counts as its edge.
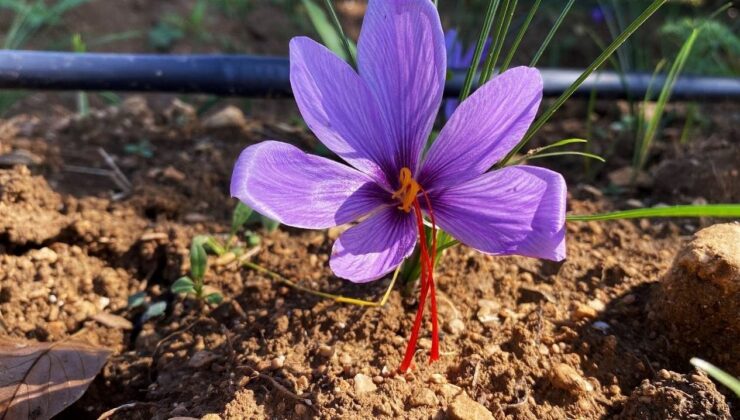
(152, 310)
(194, 284)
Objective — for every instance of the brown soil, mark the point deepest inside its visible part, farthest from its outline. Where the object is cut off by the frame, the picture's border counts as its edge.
(524, 338)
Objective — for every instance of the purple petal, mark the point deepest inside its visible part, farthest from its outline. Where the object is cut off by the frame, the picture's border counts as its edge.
(515, 210)
(301, 190)
(401, 56)
(375, 247)
(340, 109)
(483, 128)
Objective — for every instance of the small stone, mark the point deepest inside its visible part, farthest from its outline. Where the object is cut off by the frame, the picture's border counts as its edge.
(326, 351)
(423, 397)
(201, 359)
(211, 416)
(377, 379)
(488, 311)
(173, 174)
(364, 384)
(596, 305)
(229, 117)
(113, 321)
(345, 359)
(44, 254)
(584, 312)
(300, 409)
(437, 378)
(277, 362)
(564, 377)
(464, 408)
(455, 326)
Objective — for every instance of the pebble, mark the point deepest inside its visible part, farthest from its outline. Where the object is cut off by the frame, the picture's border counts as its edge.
(45, 254)
(488, 311)
(364, 384)
(345, 359)
(564, 377)
(437, 378)
(464, 408)
(277, 362)
(597, 305)
(584, 312)
(423, 397)
(326, 351)
(113, 321)
(229, 117)
(378, 379)
(300, 409)
(455, 326)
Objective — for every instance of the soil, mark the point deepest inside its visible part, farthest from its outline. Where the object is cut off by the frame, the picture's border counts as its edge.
(522, 338)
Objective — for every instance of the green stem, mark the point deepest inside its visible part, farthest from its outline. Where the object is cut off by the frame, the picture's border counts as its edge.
(340, 31)
(485, 31)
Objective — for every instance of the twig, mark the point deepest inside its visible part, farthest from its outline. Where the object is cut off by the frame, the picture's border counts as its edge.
(127, 406)
(120, 178)
(256, 374)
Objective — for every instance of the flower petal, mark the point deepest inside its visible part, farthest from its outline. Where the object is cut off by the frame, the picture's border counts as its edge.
(283, 183)
(375, 247)
(401, 56)
(515, 210)
(483, 128)
(339, 108)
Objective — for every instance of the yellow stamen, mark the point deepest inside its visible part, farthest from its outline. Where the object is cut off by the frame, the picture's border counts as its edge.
(408, 190)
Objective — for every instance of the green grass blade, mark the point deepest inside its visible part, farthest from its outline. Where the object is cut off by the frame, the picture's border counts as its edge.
(520, 36)
(566, 152)
(591, 68)
(498, 43)
(340, 32)
(718, 374)
(706, 210)
(665, 94)
(330, 36)
(550, 34)
(487, 23)
(641, 114)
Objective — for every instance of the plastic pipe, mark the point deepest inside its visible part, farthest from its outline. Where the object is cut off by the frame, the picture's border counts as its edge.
(260, 76)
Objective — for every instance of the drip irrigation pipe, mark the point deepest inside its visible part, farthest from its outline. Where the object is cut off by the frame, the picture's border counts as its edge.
(262, 76)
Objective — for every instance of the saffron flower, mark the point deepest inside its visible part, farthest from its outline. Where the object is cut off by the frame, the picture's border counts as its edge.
(378, 120)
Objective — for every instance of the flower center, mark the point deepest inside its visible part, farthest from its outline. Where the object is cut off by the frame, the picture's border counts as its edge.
(408, 190)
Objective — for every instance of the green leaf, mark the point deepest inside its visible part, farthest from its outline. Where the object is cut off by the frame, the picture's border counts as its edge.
(550, 34)
(537, 125)
(564, 153)
(718, 374)
(482, 39)
(665, 95)
(136, 300)
(154, 310)
(330, 31)
(520, 36)
(253, 240)
(214, 298)
(198, 258)
(240, 217)
(707, 210)
(183, 285)
(269, 224)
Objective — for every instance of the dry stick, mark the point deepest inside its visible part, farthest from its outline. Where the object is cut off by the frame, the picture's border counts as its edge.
(120, 178)
(336, 298)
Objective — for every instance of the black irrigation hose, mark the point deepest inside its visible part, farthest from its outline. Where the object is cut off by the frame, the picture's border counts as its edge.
(259, 76)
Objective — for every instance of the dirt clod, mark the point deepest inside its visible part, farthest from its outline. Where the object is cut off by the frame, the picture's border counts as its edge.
(676, 396)
(568, 379)
(699, 297)
(364, 384)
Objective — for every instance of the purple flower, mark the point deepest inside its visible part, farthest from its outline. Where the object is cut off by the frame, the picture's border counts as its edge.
(378, 121)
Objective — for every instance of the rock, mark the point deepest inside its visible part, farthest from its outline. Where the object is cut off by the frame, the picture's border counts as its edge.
(675, 396)
(464, 408)
(326, 351)
(698, 300)
(488, 311)
(564, 377)
(229, 117)
(277, 362)
(437, 378)
(423, 397)
(113, 321)
(584, 312)
(455, 326)
(364, 384)
(201, 359)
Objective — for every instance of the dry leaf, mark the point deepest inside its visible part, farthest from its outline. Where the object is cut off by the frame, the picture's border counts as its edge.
(39, 380)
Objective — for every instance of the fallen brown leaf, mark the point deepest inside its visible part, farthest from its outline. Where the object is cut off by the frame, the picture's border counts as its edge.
(39, 380)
